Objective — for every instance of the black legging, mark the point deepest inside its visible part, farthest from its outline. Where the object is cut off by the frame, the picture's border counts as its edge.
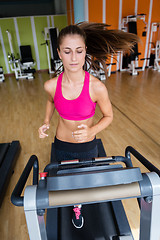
(70, 151)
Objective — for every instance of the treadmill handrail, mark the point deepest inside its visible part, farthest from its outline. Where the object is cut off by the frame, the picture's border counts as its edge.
(130, 150)
(16, 197)
(88, 163)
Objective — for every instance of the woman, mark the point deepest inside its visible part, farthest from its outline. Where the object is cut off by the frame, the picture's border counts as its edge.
(75, 93)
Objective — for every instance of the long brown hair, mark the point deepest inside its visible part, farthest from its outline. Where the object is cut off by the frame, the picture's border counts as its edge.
(100, 41)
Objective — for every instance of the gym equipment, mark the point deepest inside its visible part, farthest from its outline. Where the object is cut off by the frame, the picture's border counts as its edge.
(50, 36)
(98, 71)
(129, 62)
(8, 156)
(2, 78)
(154, 47)
(23, 68)
(157, 57)
(97, 184)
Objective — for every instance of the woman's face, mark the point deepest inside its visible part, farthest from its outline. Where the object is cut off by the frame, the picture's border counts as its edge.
(72, 52)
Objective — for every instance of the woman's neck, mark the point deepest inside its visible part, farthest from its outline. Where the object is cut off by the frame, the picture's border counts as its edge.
(74, 76)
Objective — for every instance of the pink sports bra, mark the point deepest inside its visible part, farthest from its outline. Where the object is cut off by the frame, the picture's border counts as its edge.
(77, 109)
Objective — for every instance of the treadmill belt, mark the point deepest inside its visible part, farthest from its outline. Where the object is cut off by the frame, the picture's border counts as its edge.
(98, 223)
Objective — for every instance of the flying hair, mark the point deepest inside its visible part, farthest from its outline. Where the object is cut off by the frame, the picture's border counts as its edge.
(101, 42)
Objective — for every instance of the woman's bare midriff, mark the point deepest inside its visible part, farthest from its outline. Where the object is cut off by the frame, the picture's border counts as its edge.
(65, 129)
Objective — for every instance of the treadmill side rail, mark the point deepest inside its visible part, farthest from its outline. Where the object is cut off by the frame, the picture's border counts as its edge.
(35, 223)
(150, 211)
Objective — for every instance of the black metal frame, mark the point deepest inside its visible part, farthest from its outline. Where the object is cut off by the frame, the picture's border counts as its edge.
(16, 197)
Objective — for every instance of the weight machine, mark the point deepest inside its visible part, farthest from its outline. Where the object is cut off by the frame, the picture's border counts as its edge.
(50, 36)
(99, 184)
(100, 73)
(2, 78)
(154, 47)
(157, 56)
(129, 62)
(23, 68)
(98, 70)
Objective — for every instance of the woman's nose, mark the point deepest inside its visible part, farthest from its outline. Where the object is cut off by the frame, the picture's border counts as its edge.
(73, 56)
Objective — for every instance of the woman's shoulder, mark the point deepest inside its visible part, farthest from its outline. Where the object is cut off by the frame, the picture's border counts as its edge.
(98, 89)
(50, 85)
(96, 84)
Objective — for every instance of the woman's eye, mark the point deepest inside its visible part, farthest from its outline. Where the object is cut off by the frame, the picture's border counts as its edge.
(66, 52)
(79, 51)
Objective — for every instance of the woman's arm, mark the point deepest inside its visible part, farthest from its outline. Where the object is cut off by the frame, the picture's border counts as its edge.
(49, 110)
(100, 95)
(105, 106)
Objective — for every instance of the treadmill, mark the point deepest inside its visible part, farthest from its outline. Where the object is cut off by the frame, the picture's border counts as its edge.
(9, 153)
(99, 185)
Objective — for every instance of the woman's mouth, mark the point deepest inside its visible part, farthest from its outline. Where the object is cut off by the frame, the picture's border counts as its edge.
(73, 64)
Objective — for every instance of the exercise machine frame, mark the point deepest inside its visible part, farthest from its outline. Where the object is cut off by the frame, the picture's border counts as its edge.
(2, 78)
(21, 67)
(154, 48)
(133, 65)
(54, 62)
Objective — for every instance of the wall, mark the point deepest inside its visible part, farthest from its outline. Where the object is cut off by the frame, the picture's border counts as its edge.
(70, 11)
(19, 8)
(27, 31)
(112, 12)
(107, 11)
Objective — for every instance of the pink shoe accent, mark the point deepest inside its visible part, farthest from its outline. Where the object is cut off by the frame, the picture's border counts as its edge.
(77, 211)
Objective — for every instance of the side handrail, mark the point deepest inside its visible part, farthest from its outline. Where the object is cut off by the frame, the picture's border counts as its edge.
(130, 150)
(16, 197)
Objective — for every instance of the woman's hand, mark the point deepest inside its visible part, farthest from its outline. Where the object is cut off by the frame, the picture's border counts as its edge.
(82, 134)
(42, 130)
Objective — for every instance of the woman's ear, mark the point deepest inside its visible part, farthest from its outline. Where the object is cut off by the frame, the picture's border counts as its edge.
(59, 53)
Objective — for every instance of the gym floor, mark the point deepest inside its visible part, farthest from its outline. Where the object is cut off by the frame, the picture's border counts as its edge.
(136, 106)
